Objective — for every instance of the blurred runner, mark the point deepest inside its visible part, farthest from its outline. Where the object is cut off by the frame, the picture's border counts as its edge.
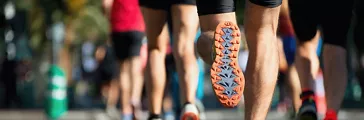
(172, 76)
(108, 77)
(289, 74)
(287, 49)
(358, 40)
(323, 14)
(185, 25)
(219, 30)
(127, 27)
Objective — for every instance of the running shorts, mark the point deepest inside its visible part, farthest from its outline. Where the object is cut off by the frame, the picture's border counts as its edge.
(206, 7)
(332, 16)
(127, 44)
(164, 4)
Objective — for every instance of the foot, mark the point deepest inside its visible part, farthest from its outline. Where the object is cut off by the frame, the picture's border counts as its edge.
(126, 117)
(189, 112)
(154, 117)
(331, 115)
(137, 111)
(168, 116)
(308, 110)
(113, 113)
(226, 76)
(201, 109)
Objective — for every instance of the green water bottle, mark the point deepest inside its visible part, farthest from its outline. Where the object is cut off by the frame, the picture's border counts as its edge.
(56, 101)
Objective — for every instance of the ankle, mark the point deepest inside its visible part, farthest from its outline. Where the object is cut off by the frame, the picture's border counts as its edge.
(307, 94)
(154, 116)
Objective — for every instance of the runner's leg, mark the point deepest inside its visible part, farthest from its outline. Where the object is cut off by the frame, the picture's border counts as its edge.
(305, 23)
(287, 33)
(185, 25)
(157, 35)
(262, 70)
(216, 16)
(334, 53)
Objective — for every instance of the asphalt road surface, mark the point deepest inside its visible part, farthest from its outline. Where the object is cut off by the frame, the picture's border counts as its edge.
(224, 114)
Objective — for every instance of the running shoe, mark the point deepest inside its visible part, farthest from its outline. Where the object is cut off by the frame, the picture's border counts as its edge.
(190, 112)
(154, 117)
(226, 76)
(201, 109)
(308, 110)
(169, 116)
(137, 110)
(113, 113)
(331, 115)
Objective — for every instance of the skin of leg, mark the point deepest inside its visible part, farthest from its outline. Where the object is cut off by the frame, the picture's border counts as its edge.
(292, 80)
(185, 26)
(167, 103)
(158, 37)
(283, 65)
(113, 93)
(294, 86)
(262, 69)
(136, 80)
(125, 86)
(307, 62)
(335, 74)
(208, 25)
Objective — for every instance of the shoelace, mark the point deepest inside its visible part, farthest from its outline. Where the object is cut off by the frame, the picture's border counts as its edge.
(331, 115)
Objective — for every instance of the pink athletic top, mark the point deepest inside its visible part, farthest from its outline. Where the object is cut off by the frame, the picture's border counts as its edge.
(126, 16)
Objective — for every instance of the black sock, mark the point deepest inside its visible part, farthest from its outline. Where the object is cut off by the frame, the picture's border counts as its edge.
(154, 116)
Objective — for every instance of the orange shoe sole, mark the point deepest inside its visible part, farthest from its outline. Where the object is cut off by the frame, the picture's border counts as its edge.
(226, 76)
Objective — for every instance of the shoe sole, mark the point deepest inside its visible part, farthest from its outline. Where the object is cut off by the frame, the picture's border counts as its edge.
(308, 117)
(226, 76)
(189, 116)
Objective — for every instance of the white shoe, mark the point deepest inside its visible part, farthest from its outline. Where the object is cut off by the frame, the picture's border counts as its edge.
(190, 112)
(201, 109)
(113, 113)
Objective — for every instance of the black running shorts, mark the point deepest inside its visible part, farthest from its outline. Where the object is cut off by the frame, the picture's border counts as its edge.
(332, 16)
(127, 44)
(205, 7)
(164, 4)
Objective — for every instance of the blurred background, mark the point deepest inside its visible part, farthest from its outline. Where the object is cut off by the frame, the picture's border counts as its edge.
(36, 33)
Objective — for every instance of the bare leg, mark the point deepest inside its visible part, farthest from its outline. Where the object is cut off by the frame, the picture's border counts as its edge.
(113, 93)
(262, 69)
(307, 62)
(335, 74)
(294, 87)
(157, 35)
(185, 25)
(136, 79)
(125, 87)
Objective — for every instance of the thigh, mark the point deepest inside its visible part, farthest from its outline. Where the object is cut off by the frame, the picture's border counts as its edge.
(335, 32)
(127, 44)
(155, 4)
(185, 21)
(156, 28)
(207, 7)
(183, 2)
(305, 21)
(267, 3)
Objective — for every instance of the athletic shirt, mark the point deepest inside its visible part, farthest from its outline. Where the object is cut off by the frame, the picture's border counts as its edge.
(126, 16)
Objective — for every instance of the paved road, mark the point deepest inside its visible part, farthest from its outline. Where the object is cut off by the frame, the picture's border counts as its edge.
(211, 115)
